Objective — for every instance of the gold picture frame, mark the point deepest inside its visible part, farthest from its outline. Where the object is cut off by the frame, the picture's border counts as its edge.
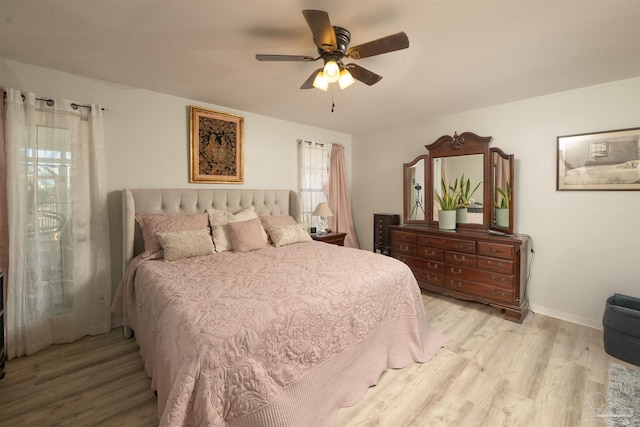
(216, 147)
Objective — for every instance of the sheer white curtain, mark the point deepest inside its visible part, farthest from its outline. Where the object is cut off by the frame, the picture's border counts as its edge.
(313, 174)
(59, 284)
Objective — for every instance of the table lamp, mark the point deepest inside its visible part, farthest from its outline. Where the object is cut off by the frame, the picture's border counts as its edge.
(322, 211)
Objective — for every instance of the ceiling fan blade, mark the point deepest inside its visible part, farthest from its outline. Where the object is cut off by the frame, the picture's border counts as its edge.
(376, 47)
(323, 34)
(296, 58)
(362, 74)
(308, 84)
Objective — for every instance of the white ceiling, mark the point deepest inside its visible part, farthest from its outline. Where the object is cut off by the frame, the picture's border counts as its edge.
(463, 55)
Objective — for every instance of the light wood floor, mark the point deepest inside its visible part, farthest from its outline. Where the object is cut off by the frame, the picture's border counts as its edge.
(492, 373)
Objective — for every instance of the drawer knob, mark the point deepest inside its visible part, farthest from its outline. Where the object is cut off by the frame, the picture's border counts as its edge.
(455, 270)
(498, 279)
(497, 264)
(457, 258)
(497, 292)
(432, 278)
(456, 284)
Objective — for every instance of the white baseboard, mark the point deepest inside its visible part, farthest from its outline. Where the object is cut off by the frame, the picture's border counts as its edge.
(566, 316)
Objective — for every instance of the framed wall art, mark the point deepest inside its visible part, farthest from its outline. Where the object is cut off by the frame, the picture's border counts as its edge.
(216, 144)
(607, 160)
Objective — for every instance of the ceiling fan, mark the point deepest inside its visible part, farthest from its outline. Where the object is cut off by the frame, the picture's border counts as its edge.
(333, 46)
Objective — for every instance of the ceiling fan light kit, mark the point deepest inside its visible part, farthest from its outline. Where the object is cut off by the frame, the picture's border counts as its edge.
(331, 71)
(346, 79)
(332, 43)
(321, 82)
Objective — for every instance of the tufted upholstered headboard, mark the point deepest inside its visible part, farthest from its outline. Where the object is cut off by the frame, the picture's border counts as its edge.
(190, 201)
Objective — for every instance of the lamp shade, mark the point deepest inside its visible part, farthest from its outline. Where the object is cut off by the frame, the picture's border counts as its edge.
(322, 210)
(345, 80)
(320, 82)
(331, 71)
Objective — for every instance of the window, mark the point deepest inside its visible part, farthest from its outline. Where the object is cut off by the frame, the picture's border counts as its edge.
(49, 203)
(599, 149)
(313, 174)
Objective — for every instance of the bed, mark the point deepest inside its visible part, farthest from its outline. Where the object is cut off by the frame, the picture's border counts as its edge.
(282, 335)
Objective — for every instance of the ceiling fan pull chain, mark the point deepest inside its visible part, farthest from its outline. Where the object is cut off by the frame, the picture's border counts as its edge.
(333, 104)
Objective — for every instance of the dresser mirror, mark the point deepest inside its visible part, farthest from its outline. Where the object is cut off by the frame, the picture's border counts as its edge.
(468, 167)
(489, 173)
(502, 195)
(415, 186)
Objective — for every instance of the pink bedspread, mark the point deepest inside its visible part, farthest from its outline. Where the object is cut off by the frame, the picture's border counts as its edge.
(275, 337)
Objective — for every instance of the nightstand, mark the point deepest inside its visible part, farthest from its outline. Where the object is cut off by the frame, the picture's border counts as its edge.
(334, 238)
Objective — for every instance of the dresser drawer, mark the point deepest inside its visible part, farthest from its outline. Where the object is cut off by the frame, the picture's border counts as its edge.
(496, 264)
(430, 253)
(478, 289)
(434, 242)
(460, 258)
(402, 236)
(460, 245)
(423, 264)
(428, 277)
(403, 249)
(496, 250)
(490, 278)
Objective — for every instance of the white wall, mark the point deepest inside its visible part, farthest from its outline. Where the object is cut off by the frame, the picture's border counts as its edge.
(147, 138)
(587, 243)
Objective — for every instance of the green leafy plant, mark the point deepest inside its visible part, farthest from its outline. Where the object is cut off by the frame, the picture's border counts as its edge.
(448, 196)
(505, 197)
(465, 191)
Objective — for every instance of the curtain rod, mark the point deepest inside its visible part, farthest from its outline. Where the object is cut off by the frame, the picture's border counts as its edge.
(50, 102)
(300, 141)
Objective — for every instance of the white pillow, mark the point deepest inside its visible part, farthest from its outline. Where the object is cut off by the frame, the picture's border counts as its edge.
(218, 220)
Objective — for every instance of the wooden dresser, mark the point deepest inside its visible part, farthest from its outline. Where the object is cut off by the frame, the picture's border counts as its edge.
(382, 233)
(470, 265)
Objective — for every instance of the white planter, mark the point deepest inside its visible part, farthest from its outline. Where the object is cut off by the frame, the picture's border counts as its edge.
(461, 215)
(502, 217)
(447, 220)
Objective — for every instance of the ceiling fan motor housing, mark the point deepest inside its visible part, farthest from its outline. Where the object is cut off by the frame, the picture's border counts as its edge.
(343, 38)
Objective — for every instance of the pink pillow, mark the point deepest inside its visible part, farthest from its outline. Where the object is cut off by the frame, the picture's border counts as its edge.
(246, 235)
(150, 224)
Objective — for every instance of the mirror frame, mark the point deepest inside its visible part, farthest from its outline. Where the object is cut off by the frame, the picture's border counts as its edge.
(461, 145)
(510, 159)
(407, 187)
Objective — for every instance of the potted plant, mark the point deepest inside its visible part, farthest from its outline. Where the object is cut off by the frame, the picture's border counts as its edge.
(502, 206)
(464, 198)
(448, 200)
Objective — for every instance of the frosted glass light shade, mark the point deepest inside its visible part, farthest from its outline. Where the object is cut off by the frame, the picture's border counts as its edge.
(346, 79)
(320, 82)
(331, 71)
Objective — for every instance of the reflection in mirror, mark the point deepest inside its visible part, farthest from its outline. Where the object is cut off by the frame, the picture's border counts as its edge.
(453, 168)
(415, 199)
(502, 193)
